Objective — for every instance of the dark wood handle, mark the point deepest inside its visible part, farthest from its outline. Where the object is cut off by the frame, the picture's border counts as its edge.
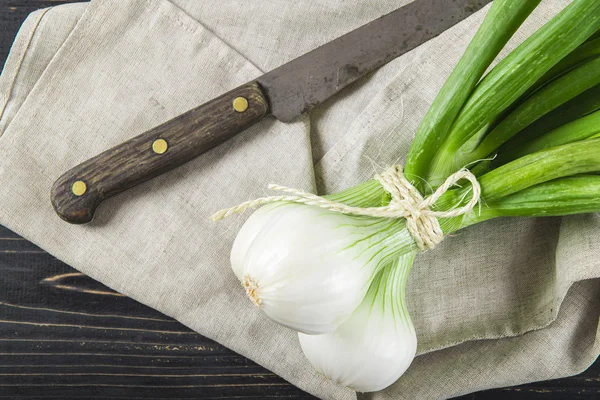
(77, 193)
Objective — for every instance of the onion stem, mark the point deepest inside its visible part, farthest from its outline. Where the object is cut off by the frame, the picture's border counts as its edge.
(513, 76)
(500, 23)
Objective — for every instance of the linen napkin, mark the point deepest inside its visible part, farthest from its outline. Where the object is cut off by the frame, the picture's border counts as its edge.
(507, 302)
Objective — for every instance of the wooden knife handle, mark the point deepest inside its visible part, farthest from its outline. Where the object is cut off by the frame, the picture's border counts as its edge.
(77, 193)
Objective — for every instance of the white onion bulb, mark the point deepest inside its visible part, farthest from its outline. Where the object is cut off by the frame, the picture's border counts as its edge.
(308, 268)
(375, 346)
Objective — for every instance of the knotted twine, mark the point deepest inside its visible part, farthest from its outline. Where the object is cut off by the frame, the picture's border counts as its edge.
(406, 202)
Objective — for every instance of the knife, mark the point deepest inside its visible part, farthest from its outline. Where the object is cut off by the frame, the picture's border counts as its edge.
(284, 93)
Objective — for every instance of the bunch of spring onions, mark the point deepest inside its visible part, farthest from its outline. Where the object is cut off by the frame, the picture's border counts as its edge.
(534, 120)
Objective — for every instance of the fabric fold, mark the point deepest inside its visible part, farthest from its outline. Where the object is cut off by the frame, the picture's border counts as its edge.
(39, 38)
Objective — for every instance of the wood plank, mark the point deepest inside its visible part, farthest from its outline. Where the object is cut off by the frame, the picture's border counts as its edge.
(63, 334)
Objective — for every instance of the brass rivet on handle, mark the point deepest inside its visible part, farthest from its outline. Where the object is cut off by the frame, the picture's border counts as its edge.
(79, 188)
(160, 146)
(240, 104)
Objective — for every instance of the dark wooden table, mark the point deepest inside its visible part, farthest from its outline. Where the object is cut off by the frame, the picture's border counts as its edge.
(65, 336)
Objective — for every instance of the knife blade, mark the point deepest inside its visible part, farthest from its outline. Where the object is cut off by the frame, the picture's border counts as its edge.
(284, 93)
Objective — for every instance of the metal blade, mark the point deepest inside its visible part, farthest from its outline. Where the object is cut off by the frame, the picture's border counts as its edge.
(308, 80)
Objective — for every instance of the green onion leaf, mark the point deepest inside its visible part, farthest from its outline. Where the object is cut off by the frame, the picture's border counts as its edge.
(580, 129)
(583, 53)
(514, 75)
(542, 166)
(563, 196)
(500, 23)
(540, 103)
(582, 105)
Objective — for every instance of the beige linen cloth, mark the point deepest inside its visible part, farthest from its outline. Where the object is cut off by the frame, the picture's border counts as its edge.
(507, 302)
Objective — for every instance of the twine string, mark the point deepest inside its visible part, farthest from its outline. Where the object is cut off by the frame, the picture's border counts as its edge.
(407, 203)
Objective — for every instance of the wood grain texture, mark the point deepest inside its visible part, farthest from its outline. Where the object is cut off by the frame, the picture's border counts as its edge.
(134, 161)
(65, 336)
